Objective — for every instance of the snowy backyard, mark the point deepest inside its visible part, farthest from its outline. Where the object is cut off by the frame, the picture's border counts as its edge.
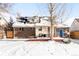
(38, 48)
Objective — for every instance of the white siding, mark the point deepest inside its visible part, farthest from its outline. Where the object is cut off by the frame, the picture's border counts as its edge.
(44, 30)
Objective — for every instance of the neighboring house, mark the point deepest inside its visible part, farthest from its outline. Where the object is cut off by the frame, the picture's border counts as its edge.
(4, 21)
(73, 25)
(75, 29)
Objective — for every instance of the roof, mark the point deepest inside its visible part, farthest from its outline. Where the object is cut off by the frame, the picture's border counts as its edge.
(77, 20)
(69, 22)
(42, 23)
(18, 24)
(75, 25)
(60, 25)
(3, 23)
(7, 16)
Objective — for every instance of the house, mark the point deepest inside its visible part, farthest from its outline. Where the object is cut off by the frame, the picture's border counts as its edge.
(29, 27)
(23, 27)
(39, 27)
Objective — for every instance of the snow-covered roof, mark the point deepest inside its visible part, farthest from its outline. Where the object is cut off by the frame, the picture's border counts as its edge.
(7, 16)
(18, 24)
(60, 25)
(3, 23)
(43, 23)
(69, 22)
(75, 25)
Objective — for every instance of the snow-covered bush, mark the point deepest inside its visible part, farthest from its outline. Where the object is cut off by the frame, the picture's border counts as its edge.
(66, 40)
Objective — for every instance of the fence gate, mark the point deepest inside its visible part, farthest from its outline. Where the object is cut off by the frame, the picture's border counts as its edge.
(9, 33)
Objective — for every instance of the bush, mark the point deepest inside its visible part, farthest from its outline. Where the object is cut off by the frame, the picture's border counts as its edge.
(42, 35)
(66, 40)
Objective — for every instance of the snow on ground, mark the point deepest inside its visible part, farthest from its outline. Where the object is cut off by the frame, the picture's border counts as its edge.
(32, 48)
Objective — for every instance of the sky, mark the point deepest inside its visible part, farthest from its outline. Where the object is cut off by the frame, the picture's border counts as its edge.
(74, 9)
(41, 9)
(31, 9)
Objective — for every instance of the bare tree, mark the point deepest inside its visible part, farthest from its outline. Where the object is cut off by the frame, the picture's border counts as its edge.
(56, 12)
(5, 7)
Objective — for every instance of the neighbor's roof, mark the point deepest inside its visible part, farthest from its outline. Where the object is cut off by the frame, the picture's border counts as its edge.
(75, 25)
(58, 25)
(69, 22)
(7, 16)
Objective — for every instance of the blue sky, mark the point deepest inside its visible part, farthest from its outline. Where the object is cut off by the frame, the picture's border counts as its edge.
(74, 9)
(32, 9)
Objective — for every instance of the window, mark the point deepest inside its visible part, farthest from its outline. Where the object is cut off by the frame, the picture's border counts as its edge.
(40, 29)
(21, 29)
